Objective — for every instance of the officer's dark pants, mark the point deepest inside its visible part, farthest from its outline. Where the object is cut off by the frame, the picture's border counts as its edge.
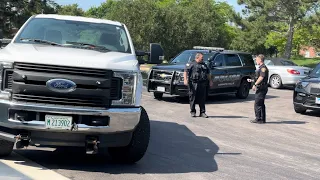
(197, 94)
(259, 106)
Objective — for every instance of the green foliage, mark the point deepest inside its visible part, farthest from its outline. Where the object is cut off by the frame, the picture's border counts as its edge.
(310, 62)
(182, 24)
(13, 13)
(72, 9)
(286, 13)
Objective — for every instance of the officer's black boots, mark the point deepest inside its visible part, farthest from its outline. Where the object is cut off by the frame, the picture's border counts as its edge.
(203, 115)
(258, 122)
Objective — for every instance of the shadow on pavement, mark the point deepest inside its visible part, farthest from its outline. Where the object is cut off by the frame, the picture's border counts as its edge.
(173, 149)
(227, 117)
(217, 99)
(287, 122)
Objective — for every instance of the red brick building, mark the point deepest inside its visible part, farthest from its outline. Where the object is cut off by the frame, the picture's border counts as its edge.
(309, 52)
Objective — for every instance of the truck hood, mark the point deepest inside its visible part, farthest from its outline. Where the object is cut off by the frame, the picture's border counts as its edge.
(311, 79)
(66, 56)
(173, 67)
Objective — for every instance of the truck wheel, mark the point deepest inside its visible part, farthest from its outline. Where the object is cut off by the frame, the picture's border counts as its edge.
(299, 110)
(275, 81)
(138, 145)
(243, 91)
(6, 148)
(158, 95)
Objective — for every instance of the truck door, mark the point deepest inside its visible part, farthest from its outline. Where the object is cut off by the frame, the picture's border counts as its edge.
(233, 66)
(219, 74)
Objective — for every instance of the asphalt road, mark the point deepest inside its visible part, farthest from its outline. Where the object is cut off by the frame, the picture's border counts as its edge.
(224, 146)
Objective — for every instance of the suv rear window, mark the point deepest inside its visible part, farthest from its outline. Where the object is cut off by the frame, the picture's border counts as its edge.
(247, 59)
(232, 60)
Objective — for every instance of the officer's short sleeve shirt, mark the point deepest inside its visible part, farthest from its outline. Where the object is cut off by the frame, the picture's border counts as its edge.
(263, 70)
(188, 66)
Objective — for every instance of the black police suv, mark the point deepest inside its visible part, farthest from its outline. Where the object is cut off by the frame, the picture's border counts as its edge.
(230, 70)
(306, 94)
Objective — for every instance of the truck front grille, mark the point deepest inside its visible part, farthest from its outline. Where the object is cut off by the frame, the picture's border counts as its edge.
(314, 90)
(85, 101)
(162, 75)
(95, 87)
(62, 70)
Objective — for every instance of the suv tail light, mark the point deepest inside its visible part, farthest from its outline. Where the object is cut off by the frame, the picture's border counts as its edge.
(292, 71)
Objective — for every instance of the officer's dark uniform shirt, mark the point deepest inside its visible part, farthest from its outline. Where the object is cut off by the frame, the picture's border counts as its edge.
(197, 72)
(263, 71)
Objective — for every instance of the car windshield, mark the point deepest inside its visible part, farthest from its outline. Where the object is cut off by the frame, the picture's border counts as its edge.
(187, 56)
(315, 72)
(288, 63)
(268, 62)
(75, 34)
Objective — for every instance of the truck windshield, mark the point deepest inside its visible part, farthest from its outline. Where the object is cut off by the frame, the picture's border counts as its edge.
(316, 72)
(188, 56)
(75, 33)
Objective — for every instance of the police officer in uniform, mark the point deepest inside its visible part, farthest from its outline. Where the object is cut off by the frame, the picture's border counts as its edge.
(261, 88)
(196, 77)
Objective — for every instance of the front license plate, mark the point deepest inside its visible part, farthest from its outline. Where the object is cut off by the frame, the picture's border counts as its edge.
(58, 122)
(317, 100)
(161, 89)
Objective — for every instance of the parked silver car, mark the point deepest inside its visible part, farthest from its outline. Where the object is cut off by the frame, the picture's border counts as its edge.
(284, 72)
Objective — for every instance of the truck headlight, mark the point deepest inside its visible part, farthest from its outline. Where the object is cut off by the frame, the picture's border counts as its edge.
(178, 77)
(128, 88)
(4, 65)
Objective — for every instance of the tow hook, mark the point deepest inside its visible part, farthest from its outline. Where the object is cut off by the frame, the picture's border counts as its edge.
(92, 145)
(23, 140)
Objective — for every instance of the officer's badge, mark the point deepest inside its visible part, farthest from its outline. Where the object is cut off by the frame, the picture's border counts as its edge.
(188, 64)
(203, 66)
(263, 69)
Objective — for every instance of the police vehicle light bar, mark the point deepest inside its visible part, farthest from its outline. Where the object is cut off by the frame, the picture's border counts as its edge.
(208, 48)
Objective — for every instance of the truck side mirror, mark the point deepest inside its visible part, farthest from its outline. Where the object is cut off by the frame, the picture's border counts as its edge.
(156, 54)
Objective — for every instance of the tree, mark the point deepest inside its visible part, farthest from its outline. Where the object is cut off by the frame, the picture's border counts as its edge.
(286, 11)
(71, 9)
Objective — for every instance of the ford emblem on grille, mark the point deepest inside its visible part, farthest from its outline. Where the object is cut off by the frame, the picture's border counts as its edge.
(61, 85)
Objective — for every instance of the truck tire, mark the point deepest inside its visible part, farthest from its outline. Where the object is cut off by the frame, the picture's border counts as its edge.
(6, 148)
(138, 145)
(275, 81)
(243, 91)
(299, 110)
(158, 95)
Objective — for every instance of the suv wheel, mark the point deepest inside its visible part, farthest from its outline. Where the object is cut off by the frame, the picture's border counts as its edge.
(243, 91)
(6, 148)
(138, 145)
(275, 81)
(158, 95)
(299, 109)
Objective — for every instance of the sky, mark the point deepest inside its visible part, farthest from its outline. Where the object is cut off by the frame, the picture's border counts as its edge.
(86, 4)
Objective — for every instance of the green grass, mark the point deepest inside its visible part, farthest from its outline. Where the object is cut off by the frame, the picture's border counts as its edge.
(308, 62)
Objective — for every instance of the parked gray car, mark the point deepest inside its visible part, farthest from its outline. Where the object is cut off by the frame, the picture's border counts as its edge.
(284, 72)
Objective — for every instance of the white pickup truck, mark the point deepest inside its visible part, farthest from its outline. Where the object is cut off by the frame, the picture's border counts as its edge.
(76, 82)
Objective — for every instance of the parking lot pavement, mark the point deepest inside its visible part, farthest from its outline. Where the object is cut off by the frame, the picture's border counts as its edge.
(225, 146)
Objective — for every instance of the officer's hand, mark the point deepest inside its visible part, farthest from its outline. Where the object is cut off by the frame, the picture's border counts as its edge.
(185, 82)
(254, 88)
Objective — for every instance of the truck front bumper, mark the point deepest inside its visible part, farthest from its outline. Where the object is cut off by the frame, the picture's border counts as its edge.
(173, 89)
(117, 132)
